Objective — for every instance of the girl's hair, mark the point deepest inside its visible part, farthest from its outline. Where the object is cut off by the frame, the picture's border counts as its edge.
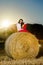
(22, 24)
(19, 20)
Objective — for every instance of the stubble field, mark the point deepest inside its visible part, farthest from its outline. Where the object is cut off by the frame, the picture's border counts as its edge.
(5, 60)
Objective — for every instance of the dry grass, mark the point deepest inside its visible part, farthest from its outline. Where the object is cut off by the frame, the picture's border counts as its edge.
(8, 61)
(5, 60)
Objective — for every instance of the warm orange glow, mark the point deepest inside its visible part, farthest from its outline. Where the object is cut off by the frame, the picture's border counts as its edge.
(5, 24)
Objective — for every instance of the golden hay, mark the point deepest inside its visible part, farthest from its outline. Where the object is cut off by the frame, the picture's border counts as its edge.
(22, 45)
(13, 28)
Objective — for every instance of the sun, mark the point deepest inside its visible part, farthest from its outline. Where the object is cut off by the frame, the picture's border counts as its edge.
(5, 23)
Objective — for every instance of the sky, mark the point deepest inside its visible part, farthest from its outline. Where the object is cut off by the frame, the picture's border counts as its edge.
(31, 11)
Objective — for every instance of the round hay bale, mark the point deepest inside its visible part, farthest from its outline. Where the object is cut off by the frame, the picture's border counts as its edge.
(22, 45)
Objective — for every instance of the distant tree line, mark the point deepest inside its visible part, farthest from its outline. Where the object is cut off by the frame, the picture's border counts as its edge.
(36, 29)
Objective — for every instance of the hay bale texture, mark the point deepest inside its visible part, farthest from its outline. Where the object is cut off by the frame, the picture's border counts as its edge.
(22, 45)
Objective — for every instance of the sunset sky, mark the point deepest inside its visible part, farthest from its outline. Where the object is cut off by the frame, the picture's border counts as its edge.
(30, 11)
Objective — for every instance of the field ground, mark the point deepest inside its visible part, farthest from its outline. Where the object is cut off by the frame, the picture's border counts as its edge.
(5, 60)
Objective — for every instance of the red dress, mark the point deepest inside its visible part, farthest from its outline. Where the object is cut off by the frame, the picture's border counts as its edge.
(24, 29)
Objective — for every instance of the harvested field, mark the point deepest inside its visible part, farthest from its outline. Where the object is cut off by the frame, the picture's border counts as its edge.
(5, 60)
